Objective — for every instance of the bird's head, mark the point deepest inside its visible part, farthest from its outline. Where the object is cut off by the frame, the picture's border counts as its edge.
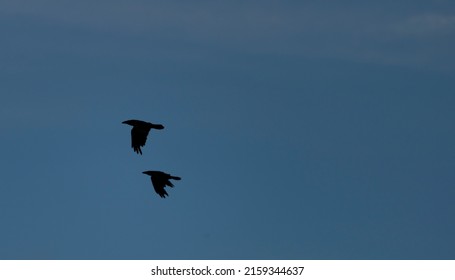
(130, 122)
(150, 173)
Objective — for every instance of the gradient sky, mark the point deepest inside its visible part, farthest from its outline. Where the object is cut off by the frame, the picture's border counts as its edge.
(301, 129)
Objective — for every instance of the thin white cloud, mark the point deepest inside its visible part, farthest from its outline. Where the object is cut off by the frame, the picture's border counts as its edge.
(361, 33)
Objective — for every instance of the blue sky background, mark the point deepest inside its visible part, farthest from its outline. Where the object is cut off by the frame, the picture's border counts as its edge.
(301, 129)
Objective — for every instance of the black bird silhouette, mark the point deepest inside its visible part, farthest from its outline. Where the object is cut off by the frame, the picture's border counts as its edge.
(161, 180)
(139, 133)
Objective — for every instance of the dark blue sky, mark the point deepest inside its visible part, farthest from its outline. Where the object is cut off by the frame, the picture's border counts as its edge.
(316, 130)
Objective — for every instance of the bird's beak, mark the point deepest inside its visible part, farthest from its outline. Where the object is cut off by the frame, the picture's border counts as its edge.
(124, 122)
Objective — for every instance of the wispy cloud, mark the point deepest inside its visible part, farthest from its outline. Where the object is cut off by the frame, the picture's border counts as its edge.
(377, 34)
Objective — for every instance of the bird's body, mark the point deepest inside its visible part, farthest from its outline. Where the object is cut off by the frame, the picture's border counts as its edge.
(160, 180)
(139, 133)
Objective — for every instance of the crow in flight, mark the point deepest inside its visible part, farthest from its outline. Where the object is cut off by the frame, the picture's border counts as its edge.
(139, 133)
(161, 180)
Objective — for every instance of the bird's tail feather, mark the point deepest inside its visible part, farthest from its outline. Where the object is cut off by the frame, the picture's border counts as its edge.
(175, 178)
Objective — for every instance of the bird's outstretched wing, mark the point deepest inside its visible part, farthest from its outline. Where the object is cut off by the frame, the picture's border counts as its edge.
(159, 183)
(139, 137)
